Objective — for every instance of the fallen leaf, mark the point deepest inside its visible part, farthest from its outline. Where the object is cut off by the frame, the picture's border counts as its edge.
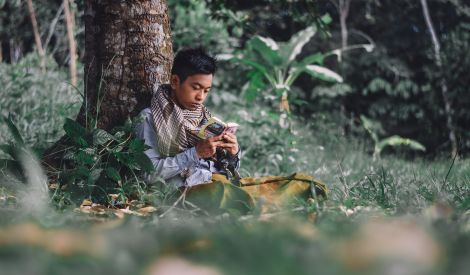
(147, 210)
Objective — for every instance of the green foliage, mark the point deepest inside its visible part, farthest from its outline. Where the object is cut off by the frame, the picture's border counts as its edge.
(274, 65)
(396, 86)
(37, 102)
(99, 163)
(192, 25)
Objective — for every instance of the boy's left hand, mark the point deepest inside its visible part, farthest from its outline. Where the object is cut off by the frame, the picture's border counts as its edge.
(230, 143)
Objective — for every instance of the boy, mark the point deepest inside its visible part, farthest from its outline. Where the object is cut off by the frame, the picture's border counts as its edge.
(171, 124)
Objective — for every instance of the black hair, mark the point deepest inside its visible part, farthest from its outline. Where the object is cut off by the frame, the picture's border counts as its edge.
(193, 61)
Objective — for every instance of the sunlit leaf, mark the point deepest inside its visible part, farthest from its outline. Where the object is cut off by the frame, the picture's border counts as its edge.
(267, 49)
(323, 73)
(400, 141)
(326, 19)
(294, 46)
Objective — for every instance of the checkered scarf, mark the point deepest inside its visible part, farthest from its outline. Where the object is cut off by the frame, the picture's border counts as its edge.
(176, 127)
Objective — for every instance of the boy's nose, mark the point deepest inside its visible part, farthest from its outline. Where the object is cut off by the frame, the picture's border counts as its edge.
(199, 96)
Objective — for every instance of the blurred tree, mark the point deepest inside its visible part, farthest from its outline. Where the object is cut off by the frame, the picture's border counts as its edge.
(37, 37)
(443, 83)
(128, 51)
(70, 23)
(17, 37)
(343, 10)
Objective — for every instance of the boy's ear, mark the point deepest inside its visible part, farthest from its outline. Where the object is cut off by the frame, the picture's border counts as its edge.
(174, 81)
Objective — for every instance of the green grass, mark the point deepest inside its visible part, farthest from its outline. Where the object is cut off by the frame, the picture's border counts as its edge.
(385, 216)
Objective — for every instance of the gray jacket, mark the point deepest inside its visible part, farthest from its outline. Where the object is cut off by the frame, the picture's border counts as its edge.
(183, 169)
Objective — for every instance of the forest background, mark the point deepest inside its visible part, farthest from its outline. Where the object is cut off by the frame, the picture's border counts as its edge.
(382, 116)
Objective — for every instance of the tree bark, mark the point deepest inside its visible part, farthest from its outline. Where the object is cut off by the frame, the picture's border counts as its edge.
(37, 37)
(443, 83)
(71, 40)
(128, 52)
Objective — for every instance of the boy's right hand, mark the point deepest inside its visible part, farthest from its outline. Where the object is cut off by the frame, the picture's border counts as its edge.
(206, 148)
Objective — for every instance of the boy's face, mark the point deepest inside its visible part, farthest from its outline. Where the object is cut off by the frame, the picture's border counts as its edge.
(192, 91)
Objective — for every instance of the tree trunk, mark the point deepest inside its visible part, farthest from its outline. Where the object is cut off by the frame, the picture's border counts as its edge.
(443, 83)
(71, 40)
(128, 52)
(37, 37)
(53, 25)
(15, 50)
(343, 8)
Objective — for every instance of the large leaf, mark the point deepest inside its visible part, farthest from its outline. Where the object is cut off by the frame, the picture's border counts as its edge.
(13, 129)
(76, 132)
(113, 174)
(294, 46)
(144, 162)
(323, 73)
(316, 58)
(267, 48)
(137, 146)
(258, 66)
(255, 84)
(400, 141)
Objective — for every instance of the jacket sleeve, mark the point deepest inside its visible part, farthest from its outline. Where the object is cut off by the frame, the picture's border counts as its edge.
(165, 167)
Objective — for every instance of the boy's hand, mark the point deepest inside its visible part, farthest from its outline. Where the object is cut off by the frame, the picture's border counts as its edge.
(229, 143)
(206, 148)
